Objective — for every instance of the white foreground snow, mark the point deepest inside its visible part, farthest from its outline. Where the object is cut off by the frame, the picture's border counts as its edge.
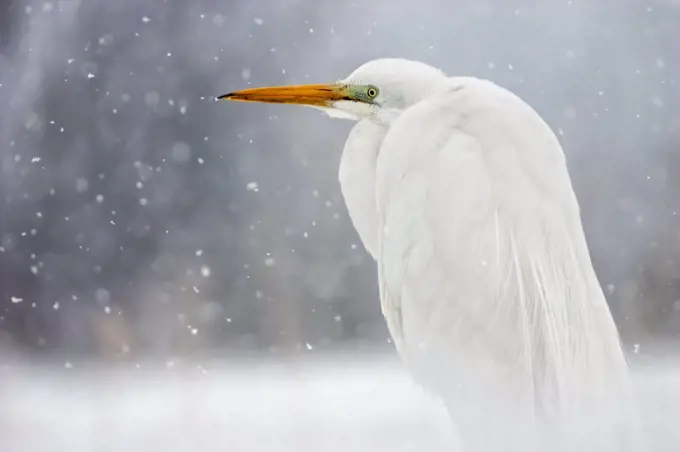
(311, 404)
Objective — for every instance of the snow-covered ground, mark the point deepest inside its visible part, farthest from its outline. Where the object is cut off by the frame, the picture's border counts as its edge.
(309, 404)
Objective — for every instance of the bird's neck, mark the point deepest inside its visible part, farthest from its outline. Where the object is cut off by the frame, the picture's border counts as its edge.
(387, 116)
(357, 179)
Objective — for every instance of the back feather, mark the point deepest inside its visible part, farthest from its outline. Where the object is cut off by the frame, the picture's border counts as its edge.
(486, 280)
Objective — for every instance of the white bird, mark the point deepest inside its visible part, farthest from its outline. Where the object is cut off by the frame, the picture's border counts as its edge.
(460, 192)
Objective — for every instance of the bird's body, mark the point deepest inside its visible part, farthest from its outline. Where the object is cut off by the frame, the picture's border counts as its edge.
(461, 194)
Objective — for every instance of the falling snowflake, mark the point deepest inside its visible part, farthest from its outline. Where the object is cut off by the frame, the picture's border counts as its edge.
(205, 271)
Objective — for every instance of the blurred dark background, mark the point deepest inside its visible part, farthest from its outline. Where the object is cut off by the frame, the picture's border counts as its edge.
(138, 217)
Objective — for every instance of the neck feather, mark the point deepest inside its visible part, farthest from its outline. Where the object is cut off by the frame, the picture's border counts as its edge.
(357, 179)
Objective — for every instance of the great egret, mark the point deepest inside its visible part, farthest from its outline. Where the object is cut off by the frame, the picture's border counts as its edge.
(460, 192)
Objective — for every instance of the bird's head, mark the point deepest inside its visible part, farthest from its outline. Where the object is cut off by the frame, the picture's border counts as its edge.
(379, 88)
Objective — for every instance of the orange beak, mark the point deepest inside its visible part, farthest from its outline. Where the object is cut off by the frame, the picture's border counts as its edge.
(317, 95)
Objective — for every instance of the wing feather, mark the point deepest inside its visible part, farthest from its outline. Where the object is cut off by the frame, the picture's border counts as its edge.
(482, 259)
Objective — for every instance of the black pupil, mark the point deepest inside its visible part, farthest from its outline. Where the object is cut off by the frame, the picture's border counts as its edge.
(371, 92)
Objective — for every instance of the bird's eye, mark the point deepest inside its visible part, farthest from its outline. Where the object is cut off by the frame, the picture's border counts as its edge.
(371, 91)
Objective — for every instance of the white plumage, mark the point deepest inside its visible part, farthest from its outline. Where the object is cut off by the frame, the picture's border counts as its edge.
(460, 192)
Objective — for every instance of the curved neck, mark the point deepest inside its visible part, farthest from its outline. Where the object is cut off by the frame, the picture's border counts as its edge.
(357, 179)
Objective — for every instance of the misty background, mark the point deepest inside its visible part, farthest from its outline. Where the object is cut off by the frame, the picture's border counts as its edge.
(138, 217)
(141, 222)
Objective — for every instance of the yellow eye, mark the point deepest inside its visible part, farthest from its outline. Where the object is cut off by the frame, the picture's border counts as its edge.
(371, 91)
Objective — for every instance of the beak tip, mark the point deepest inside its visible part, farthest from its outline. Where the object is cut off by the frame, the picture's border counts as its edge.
(223, 97)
